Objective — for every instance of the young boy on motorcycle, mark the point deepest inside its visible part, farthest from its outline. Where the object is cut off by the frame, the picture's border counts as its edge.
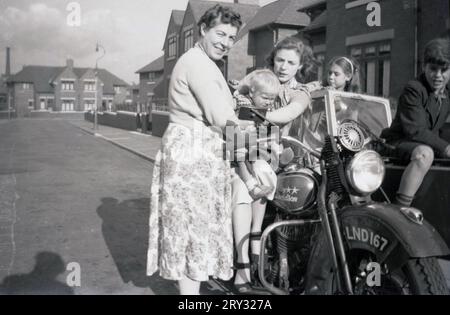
(259, 89)
(423, 109)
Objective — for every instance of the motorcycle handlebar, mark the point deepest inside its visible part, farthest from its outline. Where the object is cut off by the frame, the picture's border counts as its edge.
(301, 144)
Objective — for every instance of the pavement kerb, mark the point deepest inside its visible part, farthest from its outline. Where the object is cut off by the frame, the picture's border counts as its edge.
(100, 136)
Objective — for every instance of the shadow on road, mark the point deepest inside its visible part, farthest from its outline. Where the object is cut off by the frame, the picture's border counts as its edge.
(125, 230)
(42, 280)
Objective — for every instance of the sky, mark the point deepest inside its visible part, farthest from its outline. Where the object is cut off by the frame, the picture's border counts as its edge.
(132, 33)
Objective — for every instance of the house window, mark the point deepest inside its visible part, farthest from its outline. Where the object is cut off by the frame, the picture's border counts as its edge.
(26, 86)
(151, 77)
(143, 76)
(89, 104)
(67, 105)
(89, 85)
(117, 89)
(67, 85)
(375, 62)
(188, 39)
(30, 103)
(173, 47)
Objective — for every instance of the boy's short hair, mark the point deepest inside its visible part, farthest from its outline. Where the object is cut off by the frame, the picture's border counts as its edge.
(437, 52)
(259, 80)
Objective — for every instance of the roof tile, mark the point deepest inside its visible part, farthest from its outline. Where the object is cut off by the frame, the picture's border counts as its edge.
(42, 76)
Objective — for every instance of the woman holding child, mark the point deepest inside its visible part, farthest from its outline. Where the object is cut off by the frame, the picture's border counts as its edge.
(289, 59)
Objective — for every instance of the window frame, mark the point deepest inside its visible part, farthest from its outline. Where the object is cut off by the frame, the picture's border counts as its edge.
(67, 85)
(379, 58)
(188, 37)
(89, 83)
(172, 47)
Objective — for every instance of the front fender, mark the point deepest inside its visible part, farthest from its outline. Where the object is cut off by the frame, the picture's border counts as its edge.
(365, 227)
(418, 241)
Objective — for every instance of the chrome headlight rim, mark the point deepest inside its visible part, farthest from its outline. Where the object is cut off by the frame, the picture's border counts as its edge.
(359, 158)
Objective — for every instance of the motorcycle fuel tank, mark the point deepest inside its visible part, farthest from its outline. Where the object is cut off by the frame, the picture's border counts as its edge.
(296, 191)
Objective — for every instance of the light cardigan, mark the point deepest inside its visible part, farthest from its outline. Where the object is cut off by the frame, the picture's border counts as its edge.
(198, 92)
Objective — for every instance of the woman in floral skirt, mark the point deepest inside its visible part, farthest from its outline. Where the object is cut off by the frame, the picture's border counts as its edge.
(191, 235)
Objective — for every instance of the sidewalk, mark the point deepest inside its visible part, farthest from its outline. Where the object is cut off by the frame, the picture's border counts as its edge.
(143, 145)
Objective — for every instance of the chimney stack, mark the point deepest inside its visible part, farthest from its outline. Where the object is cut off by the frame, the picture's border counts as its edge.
(8, 63)
(69, 63)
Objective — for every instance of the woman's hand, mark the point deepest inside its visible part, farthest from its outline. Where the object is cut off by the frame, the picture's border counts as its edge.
(234, 84)
(311, 86)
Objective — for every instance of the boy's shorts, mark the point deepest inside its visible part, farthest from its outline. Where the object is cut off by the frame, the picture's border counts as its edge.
(265, 176)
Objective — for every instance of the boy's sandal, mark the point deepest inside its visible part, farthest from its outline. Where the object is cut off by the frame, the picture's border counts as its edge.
(260, 192)
(240, 266)
(255, 236)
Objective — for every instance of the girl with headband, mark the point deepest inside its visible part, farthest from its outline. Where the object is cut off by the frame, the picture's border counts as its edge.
(343, 74)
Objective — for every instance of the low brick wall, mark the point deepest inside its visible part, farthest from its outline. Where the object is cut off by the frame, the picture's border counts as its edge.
(160, 121)
(122, 120)
(58, 115)
(5, 115)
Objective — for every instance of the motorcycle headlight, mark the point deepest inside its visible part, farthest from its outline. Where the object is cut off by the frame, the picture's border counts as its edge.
(366, 172)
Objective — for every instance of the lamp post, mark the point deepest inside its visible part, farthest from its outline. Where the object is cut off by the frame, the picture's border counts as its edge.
(97, 48)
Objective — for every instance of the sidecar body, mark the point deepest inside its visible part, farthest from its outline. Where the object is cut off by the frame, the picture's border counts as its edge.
(433, 198)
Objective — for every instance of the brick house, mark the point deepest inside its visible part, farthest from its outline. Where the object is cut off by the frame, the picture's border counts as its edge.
(149, 77)
(272, 23)
(65, 89)
(389, 54)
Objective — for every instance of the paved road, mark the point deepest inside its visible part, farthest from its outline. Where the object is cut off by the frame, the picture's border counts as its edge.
(66, 196)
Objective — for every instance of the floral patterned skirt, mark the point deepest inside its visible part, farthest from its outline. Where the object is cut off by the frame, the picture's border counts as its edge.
(190, 208)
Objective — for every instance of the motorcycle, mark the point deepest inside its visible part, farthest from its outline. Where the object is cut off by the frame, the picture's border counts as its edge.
(323, 233)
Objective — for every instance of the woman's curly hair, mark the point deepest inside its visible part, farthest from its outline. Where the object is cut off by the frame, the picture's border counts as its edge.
(310, 65)
(226, 15)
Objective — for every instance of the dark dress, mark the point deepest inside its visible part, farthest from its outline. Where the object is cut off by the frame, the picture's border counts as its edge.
(420, 118)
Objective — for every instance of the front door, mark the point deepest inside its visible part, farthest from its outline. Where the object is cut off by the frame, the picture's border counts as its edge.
(42, 104)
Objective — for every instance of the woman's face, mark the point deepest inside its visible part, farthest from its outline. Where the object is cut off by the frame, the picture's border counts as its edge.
(218, 40)
(286, 64)
(337, 79)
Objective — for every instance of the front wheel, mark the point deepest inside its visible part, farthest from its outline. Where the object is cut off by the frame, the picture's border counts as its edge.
(421, 276)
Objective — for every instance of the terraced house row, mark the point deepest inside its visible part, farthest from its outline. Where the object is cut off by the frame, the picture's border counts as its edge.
(60, 89)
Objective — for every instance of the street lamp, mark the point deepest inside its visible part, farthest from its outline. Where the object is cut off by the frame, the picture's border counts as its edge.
(97, 48)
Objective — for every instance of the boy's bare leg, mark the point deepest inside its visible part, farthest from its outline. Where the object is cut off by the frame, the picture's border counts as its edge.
(242, 220)
(258, 212)
(421, 160)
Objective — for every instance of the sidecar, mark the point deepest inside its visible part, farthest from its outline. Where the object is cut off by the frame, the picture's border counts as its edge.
(433, 198)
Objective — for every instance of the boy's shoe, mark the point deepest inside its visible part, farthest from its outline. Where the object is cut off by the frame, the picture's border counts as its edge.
(260, 192)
